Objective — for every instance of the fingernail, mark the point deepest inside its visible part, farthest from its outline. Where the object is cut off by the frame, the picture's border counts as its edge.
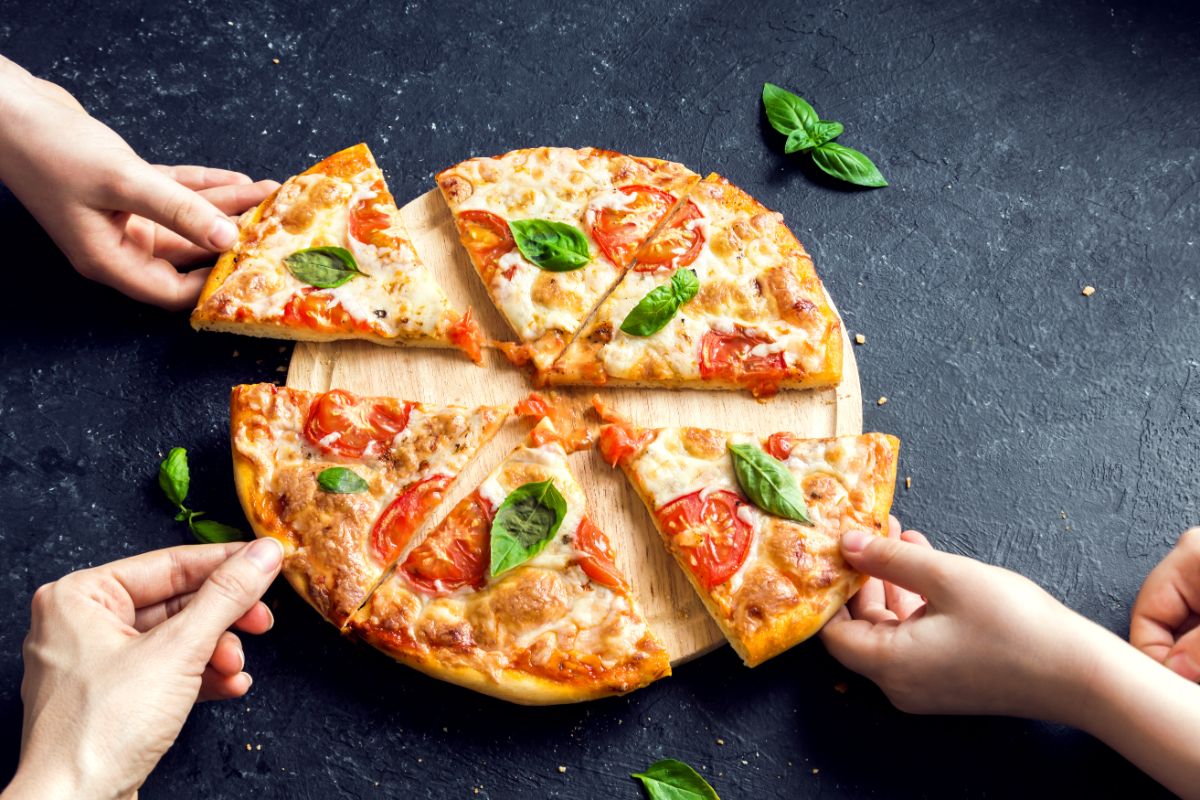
(223, 234)
(270, 617)
(242, 656)
(1185, 665)
(266, 554)
(855, 541)
(249, 680)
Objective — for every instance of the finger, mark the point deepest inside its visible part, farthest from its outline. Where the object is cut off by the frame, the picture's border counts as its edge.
(1169, 596)
(916, 537)
(901, 601)
(230, 591)
(236, 198)
(151, 194)
(228, 657)
(154, 281)
(215, 686)
(870, 604)
(858, 644)
(160, 575)
(893, 525)
(258, 619)
(1184, 657)
(911, 566)
(196, 177)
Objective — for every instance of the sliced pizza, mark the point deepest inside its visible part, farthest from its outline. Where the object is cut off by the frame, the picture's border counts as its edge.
(327, 257)
(516, 593)
(344, 482)
(756, 524)
(724, 297)
(551, 229)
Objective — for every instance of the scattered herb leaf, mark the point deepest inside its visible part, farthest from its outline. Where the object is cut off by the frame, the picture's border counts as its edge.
(670, 779)
(174, 479)
(806, 132)
(848, 165)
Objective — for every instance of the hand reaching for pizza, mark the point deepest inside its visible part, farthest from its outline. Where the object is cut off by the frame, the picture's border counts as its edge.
(1166, 615)
(117, 655)
(119, 220)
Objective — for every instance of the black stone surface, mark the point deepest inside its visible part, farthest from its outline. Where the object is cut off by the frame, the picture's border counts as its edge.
(1033, 148)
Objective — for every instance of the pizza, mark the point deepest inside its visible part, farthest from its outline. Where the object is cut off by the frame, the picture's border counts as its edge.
(327, 257)
(345, 482)
(724, 297)
(516, 593)
(551, 229)
(766, 561)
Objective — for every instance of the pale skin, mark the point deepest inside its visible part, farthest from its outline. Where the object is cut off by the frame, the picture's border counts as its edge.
(943, 634)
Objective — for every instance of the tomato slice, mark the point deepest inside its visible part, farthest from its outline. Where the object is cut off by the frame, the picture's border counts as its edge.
(486, 237)
(456, 554)
(368, 221)
(708, 531)
(618, 442)
(727, 356)
(779, 445)
(596, 555)
(312, 308)
(676, 245)
(341, 423)
(404, 515)
(619, 231)
(466, 335)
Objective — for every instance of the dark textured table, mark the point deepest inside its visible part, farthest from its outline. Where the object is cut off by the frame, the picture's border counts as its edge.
(1033, 148)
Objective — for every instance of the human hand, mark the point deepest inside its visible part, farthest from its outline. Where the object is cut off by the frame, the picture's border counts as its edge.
(117, 655)
(1165, 623)
(119, 220)
(982, 640)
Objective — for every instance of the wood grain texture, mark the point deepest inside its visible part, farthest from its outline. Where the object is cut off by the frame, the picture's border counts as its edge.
(670, 605)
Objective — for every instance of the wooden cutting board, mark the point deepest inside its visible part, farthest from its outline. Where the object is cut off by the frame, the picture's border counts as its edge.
(445, 376)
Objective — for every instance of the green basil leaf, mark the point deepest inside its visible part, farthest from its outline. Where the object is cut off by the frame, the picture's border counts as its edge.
(210, 531)
(787, 112)
(768, 483)
(825, 131)
(798, 141)
(669, 779)
(173, 476)
(340, 480)
(552, 246)
(655, 310)
(323, 267)
(847, 165)
(525, 522)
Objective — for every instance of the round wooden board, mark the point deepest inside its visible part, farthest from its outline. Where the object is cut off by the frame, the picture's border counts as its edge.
(445, 376)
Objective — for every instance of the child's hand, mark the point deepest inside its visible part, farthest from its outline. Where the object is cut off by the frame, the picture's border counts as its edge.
(119, 220)
(984, 640)
(1166, 615)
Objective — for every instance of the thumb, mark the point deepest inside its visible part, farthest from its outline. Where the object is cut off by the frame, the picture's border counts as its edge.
(911, 566)
(174, 206)
(229, 592)
(1184, 657)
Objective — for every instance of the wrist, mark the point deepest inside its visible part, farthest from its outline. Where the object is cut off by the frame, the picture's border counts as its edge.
(34, 782)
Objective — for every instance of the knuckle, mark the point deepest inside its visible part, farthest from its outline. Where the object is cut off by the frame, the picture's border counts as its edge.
(229, 584)
(42, 599)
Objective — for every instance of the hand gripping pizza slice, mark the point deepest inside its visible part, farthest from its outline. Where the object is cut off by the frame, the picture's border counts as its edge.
(551, 229)
(344, 482)
(756, 525)
(724, 297)
(327, 257)
(516, 593)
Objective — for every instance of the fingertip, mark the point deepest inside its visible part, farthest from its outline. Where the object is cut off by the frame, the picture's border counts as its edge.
(222, 234)
(916, 537)
(893, 526)
(1184, 665)
(854, 542)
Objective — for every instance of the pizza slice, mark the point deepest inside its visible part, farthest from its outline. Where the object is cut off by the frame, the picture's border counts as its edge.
(756, 525)
(344, 482)
(516, 593)
(551, 229)
(327, 257)
(724, 297)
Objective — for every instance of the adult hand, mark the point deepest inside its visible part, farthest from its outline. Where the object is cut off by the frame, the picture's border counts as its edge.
(1165, 624)
(117, 655)
(119, 220)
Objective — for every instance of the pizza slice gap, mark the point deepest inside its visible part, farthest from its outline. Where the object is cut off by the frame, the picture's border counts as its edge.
(724, 297)
(327, 257)
(550, 230)
(516, 593)
(756, 524)
(345, 483)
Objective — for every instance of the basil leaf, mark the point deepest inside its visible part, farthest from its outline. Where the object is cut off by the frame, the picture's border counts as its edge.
(210, 531)
(669, 779)
(340, 480)
(655, 310)
(552, 246)
(825, 131)
(799, 141)
(525, 522)
(323, 267)
(787, 112)
(848, 165)
(173, 476)
(768, 483)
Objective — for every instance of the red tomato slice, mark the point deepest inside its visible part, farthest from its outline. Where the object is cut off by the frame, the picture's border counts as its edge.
(618, 442)
(404, 515)
(597, 556)
(486, 237)
(676, 245)
(619, 231)
(313, 309)
(726, 356)
(368, 222)
(466, 336)
(779, 445)
(457, 553)
(709, 533)
(341, 423)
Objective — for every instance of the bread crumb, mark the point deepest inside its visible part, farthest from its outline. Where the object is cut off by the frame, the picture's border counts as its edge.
(860, 339)
(721, 742)
(561, 768)
(881, 401)
(908, 481)
(248, 748)
(815, 770)
(1088, 291)
(274, 60)
(258, 747)
(841, 687)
